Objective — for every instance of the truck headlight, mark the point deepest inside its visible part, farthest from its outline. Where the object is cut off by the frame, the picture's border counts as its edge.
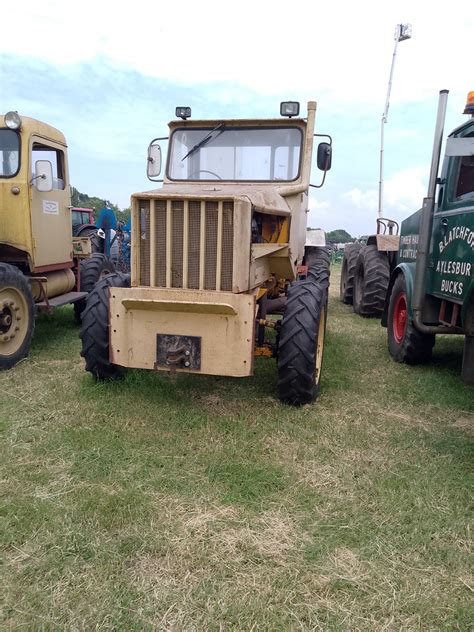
(289, 108)
(183, 113)
(12, 120)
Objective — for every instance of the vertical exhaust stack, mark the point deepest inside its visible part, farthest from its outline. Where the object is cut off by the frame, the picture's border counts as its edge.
(427, 218)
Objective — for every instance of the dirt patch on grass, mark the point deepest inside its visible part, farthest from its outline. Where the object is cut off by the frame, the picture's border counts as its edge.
(466, 424)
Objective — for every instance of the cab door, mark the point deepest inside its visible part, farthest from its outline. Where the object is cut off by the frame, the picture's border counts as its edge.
(452, 262)
(50, 211)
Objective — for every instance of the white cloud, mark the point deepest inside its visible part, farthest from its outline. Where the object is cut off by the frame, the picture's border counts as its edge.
(342, 50)
(356, 210)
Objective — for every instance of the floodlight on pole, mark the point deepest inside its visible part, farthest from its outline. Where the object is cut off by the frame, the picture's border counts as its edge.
(402, 33)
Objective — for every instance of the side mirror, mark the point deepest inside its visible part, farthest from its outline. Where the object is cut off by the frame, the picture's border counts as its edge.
(43, 177)
(324, 156)
(153, 168)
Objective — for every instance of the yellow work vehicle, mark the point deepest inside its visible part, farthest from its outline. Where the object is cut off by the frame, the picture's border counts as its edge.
(216, 254)
(39, 259)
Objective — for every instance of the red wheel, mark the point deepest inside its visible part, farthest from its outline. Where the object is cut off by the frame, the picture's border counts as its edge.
(400, 317)
(405, 342)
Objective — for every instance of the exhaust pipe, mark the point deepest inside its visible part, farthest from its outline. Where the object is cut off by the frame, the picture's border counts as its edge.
(426, 225)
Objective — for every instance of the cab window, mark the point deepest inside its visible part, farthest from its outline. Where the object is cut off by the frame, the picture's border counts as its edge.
(9, 153)
(55, 157)
(465, 181)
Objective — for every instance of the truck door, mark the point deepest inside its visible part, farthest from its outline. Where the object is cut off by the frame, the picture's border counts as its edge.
(50, 212)
(452, 265)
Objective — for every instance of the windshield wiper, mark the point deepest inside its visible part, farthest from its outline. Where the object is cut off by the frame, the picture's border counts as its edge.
(205, 140)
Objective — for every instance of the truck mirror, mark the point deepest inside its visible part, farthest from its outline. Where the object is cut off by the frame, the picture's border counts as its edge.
(324, 156)
(153, 168)
(43, 177)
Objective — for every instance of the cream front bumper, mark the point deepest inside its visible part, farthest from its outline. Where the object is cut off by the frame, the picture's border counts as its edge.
(144, 322)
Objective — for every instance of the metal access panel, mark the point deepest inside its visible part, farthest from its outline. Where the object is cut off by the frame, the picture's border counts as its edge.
(150, 326)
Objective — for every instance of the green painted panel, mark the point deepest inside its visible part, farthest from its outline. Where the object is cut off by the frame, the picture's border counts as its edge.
(451, 271)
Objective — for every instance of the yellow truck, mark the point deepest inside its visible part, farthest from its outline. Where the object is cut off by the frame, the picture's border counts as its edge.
(41, 265)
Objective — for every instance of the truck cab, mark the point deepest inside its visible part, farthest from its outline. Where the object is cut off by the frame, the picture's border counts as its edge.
(431, 289)
(35, 218)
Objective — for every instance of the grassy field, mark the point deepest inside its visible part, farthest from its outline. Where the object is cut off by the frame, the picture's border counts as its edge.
(204, 504)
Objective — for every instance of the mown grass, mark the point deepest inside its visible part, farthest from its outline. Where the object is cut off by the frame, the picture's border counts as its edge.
(201, 503)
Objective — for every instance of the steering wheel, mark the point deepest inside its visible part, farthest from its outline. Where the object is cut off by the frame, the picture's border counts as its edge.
(204, 171)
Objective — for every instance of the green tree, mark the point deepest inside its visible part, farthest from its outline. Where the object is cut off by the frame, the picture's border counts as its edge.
(339, 236)
(83, 200)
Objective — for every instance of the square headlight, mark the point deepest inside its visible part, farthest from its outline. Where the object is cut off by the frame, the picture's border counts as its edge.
(183, 113)
(289, 108)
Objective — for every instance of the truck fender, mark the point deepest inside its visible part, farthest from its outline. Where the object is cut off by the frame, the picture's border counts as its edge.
(408, 271)
(84, 227)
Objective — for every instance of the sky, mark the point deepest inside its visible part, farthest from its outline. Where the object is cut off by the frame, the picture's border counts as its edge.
(109, 75)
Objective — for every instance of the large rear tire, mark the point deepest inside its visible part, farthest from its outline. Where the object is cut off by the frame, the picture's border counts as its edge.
(93, 269)
(17, 316)
(97, 244)
(371, 280)
(95, 329)
(405, 343)
(301, 342)
(349, 262)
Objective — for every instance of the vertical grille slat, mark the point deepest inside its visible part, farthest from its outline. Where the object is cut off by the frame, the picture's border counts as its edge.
(190, 243)
(160, 239)
(227, 246)
(144, 212)
(194, 245)
(210, 259)
(177, 244)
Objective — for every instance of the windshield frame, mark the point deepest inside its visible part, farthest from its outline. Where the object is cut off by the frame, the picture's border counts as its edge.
(232, 127)
(13, 175)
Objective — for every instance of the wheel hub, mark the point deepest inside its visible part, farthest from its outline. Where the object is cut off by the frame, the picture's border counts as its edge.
(10, 317)
(400, 317)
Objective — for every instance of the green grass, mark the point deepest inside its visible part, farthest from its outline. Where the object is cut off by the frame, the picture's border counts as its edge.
(201, 503)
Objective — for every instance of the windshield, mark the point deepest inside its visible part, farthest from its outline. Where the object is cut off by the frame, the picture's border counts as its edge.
(9, 153)
(235, 153)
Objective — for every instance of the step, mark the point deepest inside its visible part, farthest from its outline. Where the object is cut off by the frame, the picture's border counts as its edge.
(63, 299)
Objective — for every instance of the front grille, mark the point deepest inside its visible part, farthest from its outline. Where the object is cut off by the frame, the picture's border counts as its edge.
(186, 244)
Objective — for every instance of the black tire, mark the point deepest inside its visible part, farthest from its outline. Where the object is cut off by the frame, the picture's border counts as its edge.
(349, 263)
(93, 269)
(318, 261)
(17, 316)
(97, 244)
(405, 343)
(95, 329)
(301, 342)
(371, 280)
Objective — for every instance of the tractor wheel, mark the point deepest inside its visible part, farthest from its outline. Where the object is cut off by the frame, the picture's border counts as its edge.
(318, 261)
(371, 279)
(301, 342)
(95, 329)
(405, 343)
(349, 262)
(97, 244)
(17, 316)
(93, 269)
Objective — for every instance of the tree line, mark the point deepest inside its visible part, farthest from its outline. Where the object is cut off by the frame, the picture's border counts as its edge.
(83, 200)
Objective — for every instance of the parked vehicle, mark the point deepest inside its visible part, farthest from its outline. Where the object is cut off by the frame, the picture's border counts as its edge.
(215, 252)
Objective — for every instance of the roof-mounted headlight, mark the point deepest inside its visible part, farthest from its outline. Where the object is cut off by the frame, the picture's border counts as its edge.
(289, 108)
(12, 120)
(183, 113)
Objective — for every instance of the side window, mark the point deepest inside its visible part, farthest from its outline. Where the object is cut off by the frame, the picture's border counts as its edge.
(465, 181)
(55, 157)
(9, 153)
